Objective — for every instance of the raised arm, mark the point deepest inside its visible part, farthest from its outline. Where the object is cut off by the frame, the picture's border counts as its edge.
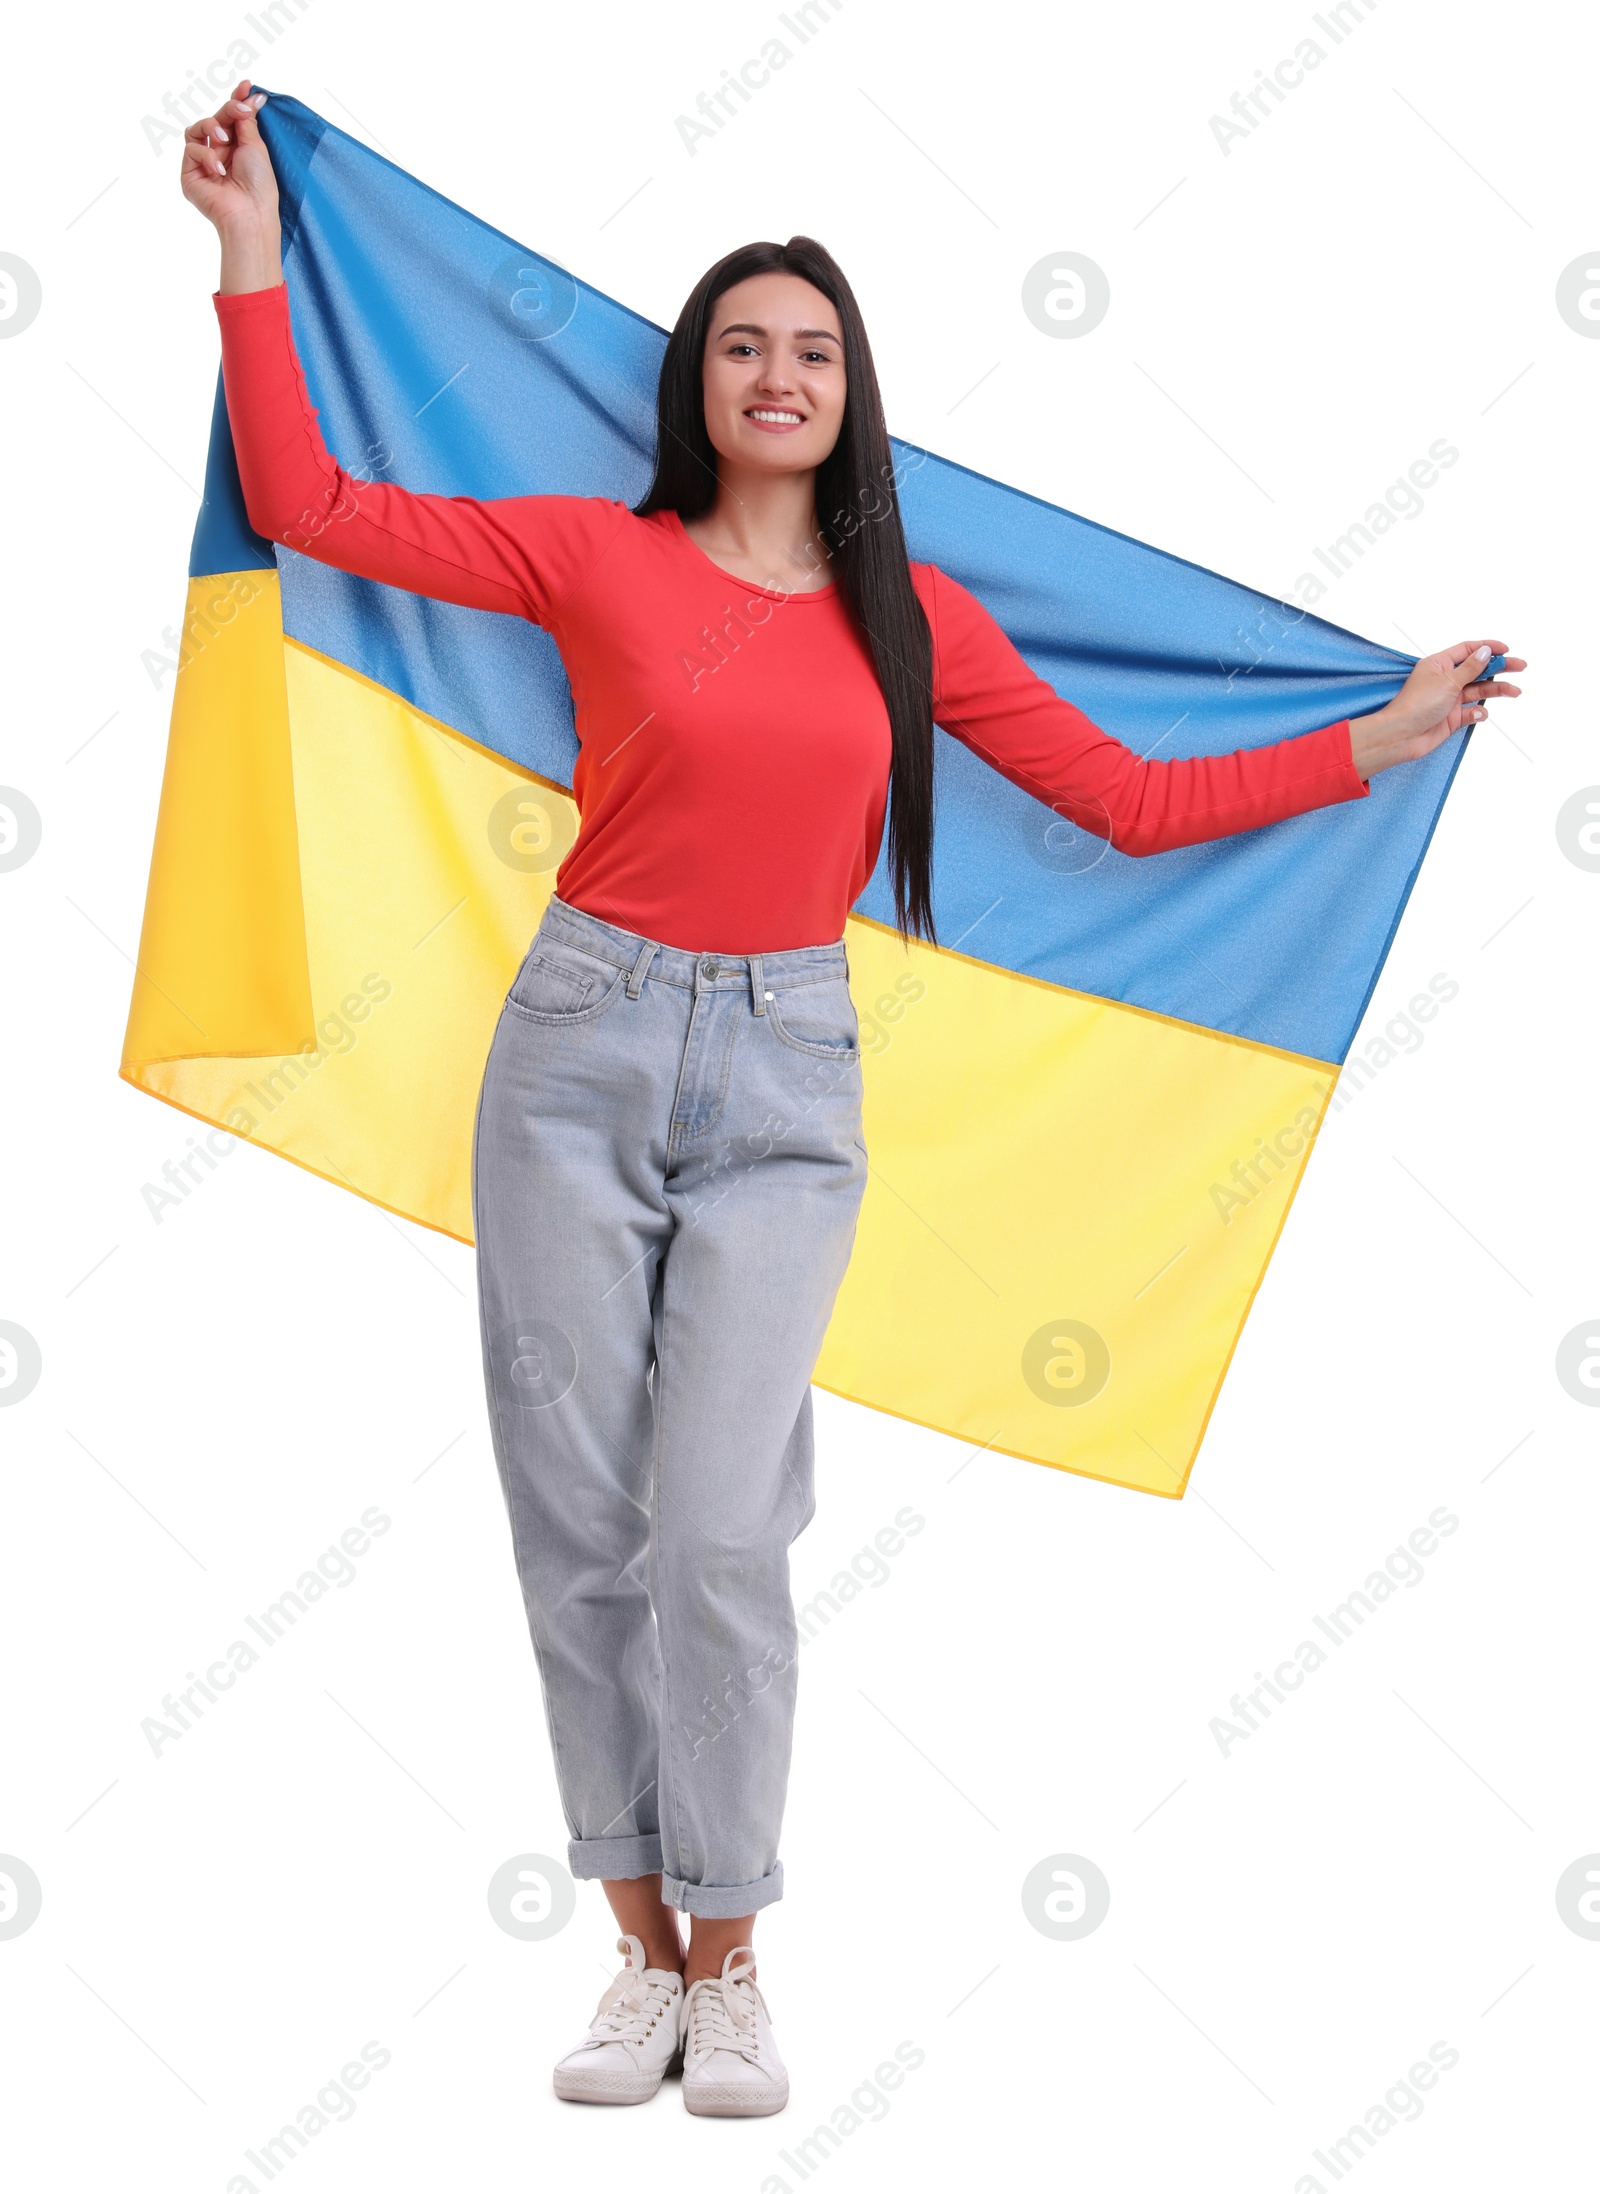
(986, 696)
(518, 555)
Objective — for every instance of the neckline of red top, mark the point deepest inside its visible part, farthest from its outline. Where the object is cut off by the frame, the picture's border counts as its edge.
(770, 594)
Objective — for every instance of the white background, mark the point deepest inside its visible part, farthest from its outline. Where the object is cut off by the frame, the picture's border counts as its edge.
(1291, 1926)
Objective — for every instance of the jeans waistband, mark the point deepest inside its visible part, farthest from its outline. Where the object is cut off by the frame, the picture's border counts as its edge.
(703, 970)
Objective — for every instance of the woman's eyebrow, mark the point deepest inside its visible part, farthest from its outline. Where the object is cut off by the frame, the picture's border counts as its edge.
(747, 327)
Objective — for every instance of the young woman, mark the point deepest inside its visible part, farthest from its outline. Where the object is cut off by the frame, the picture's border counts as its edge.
(668, 1159)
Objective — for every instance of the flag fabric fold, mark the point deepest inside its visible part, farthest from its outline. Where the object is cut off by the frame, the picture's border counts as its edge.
(1087, 1113)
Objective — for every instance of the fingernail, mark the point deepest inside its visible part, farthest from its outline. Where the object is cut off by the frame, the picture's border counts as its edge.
(221, 170)
(1483, 655)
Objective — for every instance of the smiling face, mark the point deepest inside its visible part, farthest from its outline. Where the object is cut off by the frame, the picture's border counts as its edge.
(773, 378)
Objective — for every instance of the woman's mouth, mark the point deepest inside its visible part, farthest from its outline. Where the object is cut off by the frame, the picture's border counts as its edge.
(774, 418)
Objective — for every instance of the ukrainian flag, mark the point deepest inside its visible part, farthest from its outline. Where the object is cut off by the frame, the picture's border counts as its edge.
(1088, 1113)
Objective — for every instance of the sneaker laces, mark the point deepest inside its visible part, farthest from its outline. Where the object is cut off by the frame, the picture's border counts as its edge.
(631, 2005)
(720, 2011)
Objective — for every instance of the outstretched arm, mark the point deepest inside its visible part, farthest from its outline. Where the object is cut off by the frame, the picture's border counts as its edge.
(987, 696)
(519, 555)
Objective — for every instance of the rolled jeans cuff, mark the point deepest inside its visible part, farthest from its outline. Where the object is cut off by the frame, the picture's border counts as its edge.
(712, 1901)
(614, 1858)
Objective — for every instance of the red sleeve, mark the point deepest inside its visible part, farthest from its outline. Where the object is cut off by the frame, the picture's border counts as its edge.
(986, 696)
(520, 554)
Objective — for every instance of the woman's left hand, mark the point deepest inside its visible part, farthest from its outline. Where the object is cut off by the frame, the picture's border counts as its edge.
(1444, 692)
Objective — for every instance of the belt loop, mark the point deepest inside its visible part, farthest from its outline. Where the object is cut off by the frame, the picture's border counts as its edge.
(647, 953)
(756, 993)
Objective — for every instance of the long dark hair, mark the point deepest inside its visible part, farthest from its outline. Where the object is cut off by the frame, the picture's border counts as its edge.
(858, 516)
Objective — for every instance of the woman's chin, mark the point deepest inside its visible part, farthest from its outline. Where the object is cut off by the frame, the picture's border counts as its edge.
(760, 452)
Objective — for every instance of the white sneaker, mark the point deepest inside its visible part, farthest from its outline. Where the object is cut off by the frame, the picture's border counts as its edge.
(632, 2040)
(731, 2066)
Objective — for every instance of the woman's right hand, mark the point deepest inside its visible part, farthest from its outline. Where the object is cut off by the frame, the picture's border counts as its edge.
(227, 175)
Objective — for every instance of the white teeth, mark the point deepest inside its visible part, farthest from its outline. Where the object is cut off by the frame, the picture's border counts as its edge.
(777, 418)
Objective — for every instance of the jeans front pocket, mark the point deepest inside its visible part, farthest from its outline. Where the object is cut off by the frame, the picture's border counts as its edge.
(558, 983)
(818, 1018)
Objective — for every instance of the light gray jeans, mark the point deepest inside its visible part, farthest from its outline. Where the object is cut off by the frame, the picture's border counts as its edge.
(667, 1171)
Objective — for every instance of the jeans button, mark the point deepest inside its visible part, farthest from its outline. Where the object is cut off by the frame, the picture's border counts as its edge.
(708, 967)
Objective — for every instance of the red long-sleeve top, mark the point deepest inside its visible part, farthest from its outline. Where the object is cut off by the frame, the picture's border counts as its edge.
(733, 772)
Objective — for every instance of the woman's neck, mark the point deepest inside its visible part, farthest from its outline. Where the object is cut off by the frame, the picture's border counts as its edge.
(763, 527)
